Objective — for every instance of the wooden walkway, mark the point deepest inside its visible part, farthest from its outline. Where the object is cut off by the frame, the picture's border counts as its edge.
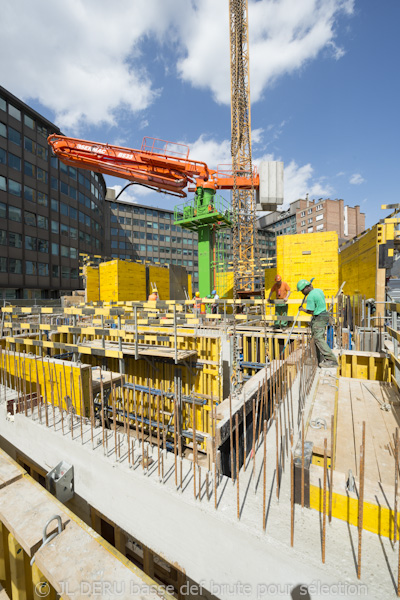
(356, 404)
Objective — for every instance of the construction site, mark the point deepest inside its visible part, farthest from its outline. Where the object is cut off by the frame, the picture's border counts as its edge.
(162, 441)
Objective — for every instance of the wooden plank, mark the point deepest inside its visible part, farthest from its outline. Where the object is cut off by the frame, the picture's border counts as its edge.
(9, 470)
(79, 558)
(25, 509)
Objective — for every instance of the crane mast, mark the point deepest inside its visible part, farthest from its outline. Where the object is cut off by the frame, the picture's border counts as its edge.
(243, 200)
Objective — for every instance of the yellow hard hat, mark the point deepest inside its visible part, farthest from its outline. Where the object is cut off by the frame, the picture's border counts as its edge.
(155, 291)
(197, 294)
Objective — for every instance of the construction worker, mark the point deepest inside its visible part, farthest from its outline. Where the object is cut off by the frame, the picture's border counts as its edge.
(316, 306)
(197, 303)
(214, 306)
(153, 296)
(282, 293)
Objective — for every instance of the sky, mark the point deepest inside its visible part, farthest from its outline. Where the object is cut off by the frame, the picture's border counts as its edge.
(323, 77)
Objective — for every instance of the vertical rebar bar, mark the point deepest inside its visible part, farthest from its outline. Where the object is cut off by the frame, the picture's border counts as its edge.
(324, 502)
(265, 476)
(237, 467)
(361, 500)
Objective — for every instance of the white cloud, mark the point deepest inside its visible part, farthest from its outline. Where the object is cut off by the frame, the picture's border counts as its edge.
(356, 179)
(257, 135)
(208, 150)
(284, 36)
(82, 58)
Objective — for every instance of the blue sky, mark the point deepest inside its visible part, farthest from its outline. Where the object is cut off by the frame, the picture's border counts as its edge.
(324, 84)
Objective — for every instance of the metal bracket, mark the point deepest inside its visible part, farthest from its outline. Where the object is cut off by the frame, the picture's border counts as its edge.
(60, 481)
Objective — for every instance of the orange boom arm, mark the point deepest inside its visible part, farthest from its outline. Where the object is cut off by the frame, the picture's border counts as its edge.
(160, 165)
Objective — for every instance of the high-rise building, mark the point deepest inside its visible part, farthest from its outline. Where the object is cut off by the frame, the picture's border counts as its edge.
(311, 216)
(50, 213)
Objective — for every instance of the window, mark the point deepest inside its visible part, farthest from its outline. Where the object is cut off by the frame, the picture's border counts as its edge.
(73, 233)
(54, 249)
(54, 205)
(29, 194)
(319, 217)
(74, 273)
(3, 265)
(309, 211)
(72, 172)
(64, 209)
(3, 105)
(63, 168)
(42, 130)
(3, 237)
(29, 169)
(42, 199)
(54, 227)
(43, 269)
(310, 229)
(73, 252)
(42, 175)
(55, 271)
(29, 122)
(303, 213)
(30, 243)
(14, 240)
(14, 161)
(3, 130)
(14, 214)
(54, 162)
(72, 192)
(14, 112)
(15, 265)
(30, 267)
(54, 183)
(65, 272)
(303, 223)
(3, 157)
(43, 246)
(14, 188)
(64, 230)
(30, 219)
(319, 207)
(65, 251)
(42, 152)
(64, 188)
(29, 145)
(320, 227)
(42, 222)
(14, 136)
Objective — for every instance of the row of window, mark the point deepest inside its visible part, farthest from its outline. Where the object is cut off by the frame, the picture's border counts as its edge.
(13, 111)
(15, 266)
(139, 210)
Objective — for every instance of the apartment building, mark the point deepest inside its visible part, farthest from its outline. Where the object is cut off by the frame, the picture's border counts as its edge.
(310, 216)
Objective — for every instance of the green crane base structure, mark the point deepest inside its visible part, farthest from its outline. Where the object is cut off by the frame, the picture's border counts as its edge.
(202, 214)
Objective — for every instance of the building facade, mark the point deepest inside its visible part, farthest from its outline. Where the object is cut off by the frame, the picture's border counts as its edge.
(50, 213)
(311, 216)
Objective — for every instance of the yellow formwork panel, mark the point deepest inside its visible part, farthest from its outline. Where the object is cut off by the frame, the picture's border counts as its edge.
(205, 382)
(305, 256)
(358, 265)
(160, 277)
(224, 284)
(122, 281)
(60, 382)
(92, 281)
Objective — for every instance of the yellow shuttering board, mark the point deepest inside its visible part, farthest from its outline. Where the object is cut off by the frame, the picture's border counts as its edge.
(92, 276)
(61, 383)
(270, 275)
(160, 277)
(122, 281)
(224, 284)
(358, 265)
(305, 256)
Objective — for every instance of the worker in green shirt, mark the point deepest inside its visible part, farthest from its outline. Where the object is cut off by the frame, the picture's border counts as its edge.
(316, 306)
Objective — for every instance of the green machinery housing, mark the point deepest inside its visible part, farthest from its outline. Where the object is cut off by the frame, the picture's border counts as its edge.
(205, 213)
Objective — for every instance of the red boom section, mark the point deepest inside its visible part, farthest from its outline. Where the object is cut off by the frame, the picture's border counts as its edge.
(163, 166)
